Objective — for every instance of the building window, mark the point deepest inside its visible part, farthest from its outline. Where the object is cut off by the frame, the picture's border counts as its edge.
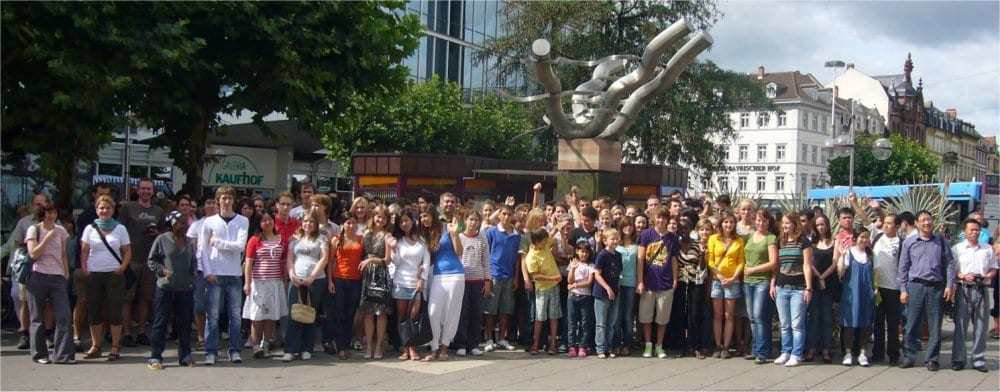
(724, 151)
(815, 118)
(822, 124)
(779, 153)
(804, 184)
(771, 90)
(815, 156)
(761, 181)
(764, 119)
(805, 153)
(782, 120)
(805, 120)
(724, 183)
(744, 152)
(761, 152)
(742, 183)
(779, 182)
(744, 120)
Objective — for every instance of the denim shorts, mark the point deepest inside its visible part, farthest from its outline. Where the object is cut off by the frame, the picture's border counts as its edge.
(403, 293)
(734, 290)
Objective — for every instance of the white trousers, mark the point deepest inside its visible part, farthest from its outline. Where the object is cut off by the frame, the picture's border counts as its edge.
(444, 307)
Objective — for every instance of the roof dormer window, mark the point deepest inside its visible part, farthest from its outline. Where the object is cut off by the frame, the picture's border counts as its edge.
(771, 89)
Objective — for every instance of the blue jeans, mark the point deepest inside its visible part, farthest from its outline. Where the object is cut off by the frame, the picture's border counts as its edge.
(606, 316)
(232, 288)
(758, 300)
(345, 305)
(580, 320)
(179, 304)
(792, 312)
(302, 337)
(624, 336)
(925, 300)
(819, 326)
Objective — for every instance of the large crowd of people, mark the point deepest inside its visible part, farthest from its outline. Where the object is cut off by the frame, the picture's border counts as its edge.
(578, 277)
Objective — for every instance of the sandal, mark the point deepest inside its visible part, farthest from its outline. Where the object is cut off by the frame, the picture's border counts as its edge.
(343, 354)
(405, 356)
(680, 354)
(428, 358)
(442, 357)
(810, 356)
(534, 350)
(626, 352)
(115, 354)
(698, 354)
(93, 353)
(826, 356)
(153, 365)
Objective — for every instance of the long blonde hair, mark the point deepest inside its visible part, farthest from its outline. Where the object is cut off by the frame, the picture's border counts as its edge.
(314, 234)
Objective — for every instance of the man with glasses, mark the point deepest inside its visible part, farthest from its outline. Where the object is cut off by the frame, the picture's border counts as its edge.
(16, 239)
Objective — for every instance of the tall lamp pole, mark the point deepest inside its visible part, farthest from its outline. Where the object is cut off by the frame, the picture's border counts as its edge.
(843, 145)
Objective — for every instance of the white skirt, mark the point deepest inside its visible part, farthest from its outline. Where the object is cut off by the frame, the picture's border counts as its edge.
(267, 300)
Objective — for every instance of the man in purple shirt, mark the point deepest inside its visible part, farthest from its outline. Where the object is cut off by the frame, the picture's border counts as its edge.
(926, 277)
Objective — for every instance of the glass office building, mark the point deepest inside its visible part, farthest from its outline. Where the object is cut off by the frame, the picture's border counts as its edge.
(453, 31)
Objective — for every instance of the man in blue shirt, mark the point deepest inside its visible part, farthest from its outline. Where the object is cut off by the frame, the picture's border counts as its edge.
(926, 277)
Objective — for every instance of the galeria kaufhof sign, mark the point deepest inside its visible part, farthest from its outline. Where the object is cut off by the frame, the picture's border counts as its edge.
(243, 168)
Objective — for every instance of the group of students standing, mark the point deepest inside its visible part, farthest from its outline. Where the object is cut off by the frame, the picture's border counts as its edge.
(584, 268)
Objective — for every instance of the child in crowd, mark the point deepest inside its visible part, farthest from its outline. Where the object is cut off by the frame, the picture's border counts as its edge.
(542, 269)
(580, 304)
(478, 285)
(607, 271)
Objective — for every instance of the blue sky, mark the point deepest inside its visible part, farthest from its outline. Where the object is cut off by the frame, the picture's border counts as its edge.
(955, 45)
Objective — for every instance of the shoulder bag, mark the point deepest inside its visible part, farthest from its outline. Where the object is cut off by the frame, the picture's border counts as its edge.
(22, 263)
(377, 288)
(129, 275)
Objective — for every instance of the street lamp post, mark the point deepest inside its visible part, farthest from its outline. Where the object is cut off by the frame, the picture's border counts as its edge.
(833, 116)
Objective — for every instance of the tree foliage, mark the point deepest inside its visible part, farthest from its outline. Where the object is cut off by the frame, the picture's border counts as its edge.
(909, 163)
(681, 126)
(430, 117)
(59, 83)
(177, 66)
(303, 59)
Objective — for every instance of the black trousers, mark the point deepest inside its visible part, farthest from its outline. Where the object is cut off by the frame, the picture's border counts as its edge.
(886, 329)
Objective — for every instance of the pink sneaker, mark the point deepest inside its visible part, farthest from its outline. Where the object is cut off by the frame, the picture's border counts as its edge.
(582, 353)
(572, 352)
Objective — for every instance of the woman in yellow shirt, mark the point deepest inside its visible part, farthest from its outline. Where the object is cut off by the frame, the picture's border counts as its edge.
(725, 262)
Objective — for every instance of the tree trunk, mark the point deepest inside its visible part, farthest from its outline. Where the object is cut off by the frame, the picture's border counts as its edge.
(64, 180)
(195, 165)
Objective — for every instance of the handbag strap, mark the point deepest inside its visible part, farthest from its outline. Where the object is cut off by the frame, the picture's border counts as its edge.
(308, 296)
(417, 297)
(105, 240)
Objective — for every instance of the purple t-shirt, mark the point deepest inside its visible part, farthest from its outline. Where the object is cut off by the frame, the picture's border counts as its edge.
(658, 274)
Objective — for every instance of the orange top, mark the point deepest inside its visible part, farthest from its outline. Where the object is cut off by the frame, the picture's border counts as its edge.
(348, 259)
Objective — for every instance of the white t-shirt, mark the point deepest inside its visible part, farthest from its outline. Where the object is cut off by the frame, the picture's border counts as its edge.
(408, 257)
(886, 252)
(100, 259)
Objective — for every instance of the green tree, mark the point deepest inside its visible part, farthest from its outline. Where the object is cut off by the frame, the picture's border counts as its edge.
(910, 163)
(59, 84)
(304, 59)
(430, 117)
(688, 124)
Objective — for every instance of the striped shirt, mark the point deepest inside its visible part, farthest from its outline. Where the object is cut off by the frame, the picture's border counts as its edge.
(268, 258)
(475, 258)
(791, 263)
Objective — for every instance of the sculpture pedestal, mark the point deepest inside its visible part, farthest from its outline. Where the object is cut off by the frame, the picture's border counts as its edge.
(593, 165)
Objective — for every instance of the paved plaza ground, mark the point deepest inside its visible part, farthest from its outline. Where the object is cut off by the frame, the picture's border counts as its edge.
(495, 371)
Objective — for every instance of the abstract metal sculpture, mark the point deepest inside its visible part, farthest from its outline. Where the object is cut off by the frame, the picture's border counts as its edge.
(608, 114)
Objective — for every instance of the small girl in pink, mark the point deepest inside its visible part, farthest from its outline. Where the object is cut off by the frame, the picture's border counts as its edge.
(580, 303)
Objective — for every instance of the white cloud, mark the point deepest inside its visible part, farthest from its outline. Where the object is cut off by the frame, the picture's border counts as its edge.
(955, 45)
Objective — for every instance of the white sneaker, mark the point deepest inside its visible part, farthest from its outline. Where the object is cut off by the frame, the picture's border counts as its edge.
(460, 352)
(863, 360)
(848, 360)
(477, 352)
(306, 355)
(793, 361)
(210, 359)
(287, 357)
(505, 345)
(782, 359)
(489, 346)
(249, 343)
(235, 358)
